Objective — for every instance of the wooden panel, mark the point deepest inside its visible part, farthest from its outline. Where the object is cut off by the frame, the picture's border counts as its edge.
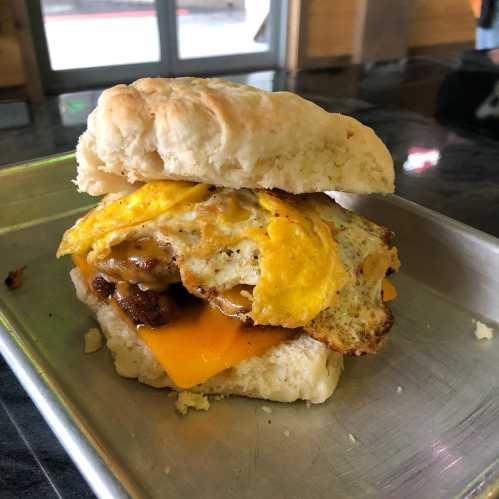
(441, 21)
(31, 70)
(327, 30)
(330, 26)
(11, 63)
(394, 16)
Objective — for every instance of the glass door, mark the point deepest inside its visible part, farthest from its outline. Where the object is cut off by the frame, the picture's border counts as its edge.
(98, 42)
(96, 33)
(228, 28)
(220, 35)
(92, 42)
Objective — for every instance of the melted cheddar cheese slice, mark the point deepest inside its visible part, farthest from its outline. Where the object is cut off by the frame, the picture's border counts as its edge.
(389, 291)
(204, 342)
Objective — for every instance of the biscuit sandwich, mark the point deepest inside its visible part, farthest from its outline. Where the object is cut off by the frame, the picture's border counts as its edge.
(215, 263)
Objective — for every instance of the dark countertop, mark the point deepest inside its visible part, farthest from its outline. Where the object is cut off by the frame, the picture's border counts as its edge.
(458, 176)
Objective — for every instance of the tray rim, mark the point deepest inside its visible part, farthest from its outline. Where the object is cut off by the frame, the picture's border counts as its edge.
(78, 444)
(37, 162)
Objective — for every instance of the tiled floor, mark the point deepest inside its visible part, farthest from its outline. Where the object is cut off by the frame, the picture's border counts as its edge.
(423, 109)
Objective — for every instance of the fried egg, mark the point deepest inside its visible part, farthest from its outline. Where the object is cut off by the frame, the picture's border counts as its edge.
(263, 256)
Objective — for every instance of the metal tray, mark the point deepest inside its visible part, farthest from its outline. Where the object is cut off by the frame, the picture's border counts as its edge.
(439, 437)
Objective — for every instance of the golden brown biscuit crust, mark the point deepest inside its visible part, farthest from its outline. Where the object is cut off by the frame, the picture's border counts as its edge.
(222, 133)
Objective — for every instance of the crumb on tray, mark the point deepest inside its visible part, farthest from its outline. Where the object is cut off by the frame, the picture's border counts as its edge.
(399, 389)
(189, 400)
(482, 331)
(287, 433)
(220, 396)
(14, 279)
(352, 438)
(266, 409)
(93, 340)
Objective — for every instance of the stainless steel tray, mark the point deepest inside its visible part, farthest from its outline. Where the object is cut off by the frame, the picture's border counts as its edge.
(439, 437)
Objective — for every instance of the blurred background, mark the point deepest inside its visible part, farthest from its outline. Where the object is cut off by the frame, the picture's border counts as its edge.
(51, 46)
(56, 56)
(395, 52)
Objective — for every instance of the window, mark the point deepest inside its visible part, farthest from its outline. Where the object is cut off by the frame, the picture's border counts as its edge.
(104, 33)
(97, 42)
(228, 28)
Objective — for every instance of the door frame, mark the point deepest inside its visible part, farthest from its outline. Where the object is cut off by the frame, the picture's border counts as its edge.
(169, 64)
